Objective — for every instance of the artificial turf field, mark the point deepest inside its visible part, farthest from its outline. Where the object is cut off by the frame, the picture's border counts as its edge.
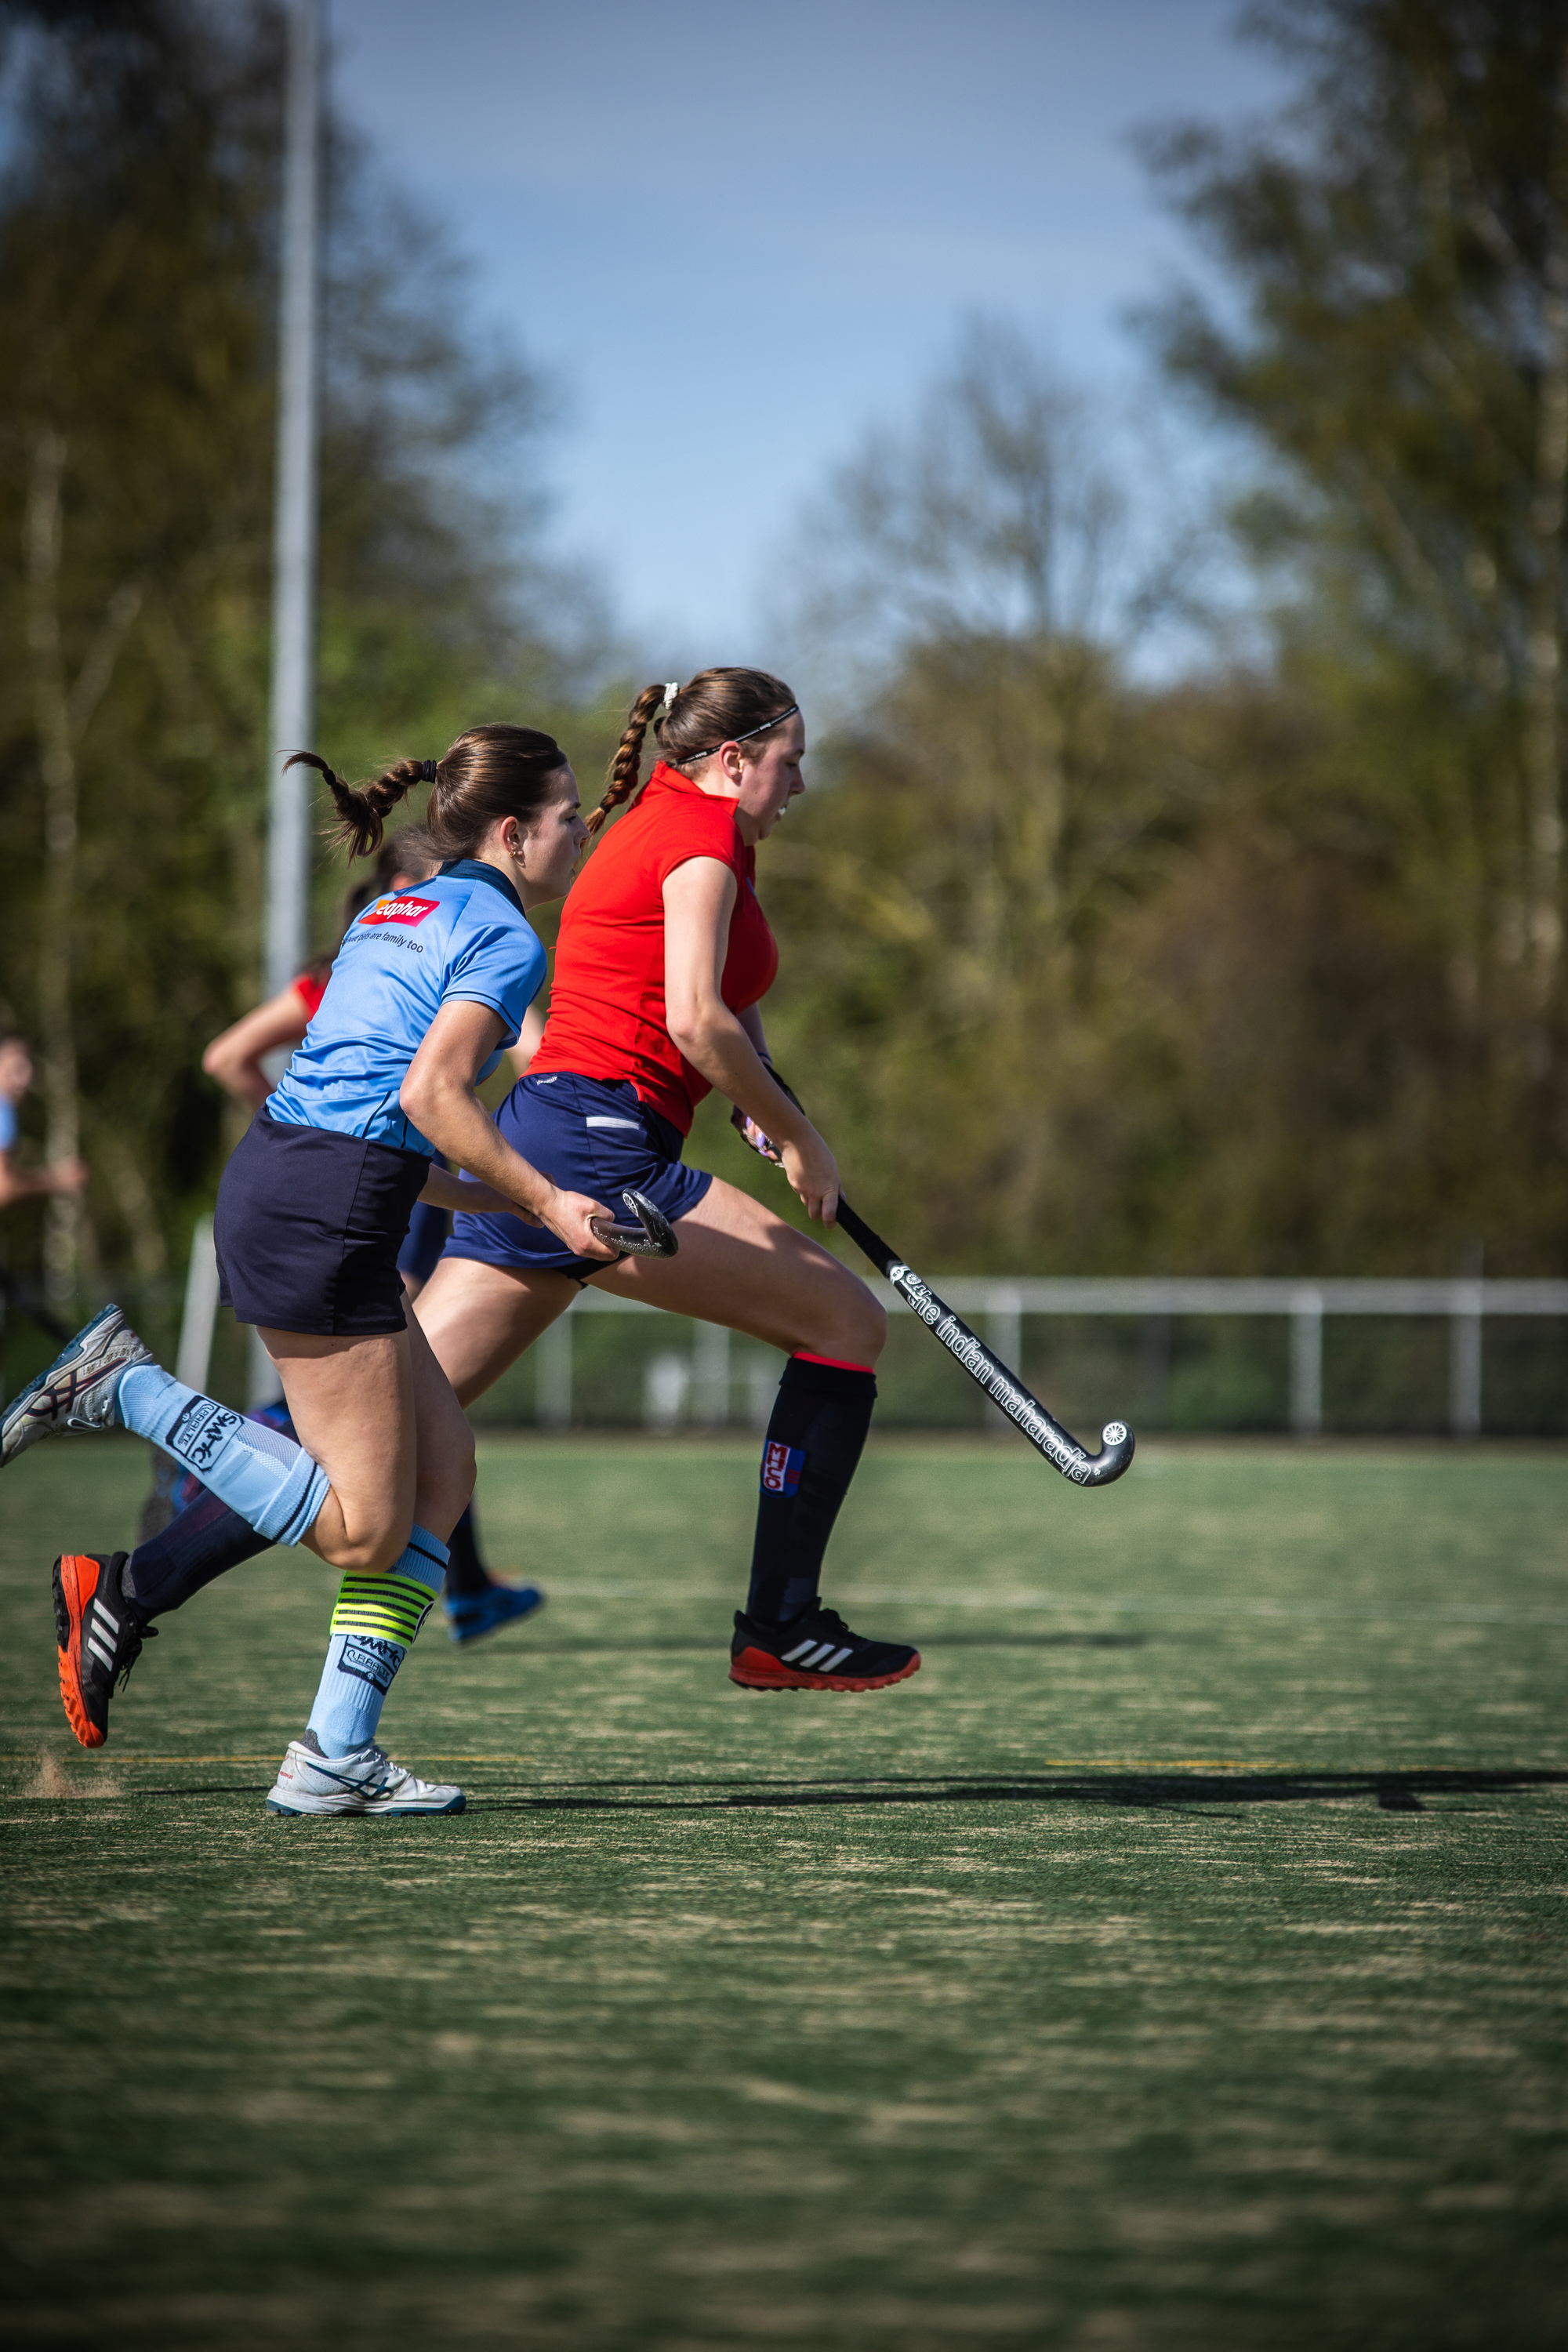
(1178, 1960)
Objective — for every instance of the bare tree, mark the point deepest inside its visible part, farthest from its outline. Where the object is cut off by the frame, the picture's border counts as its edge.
(63, 711)
(997, 513)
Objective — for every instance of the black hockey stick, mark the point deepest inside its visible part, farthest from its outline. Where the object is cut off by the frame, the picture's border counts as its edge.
(1005, 1389)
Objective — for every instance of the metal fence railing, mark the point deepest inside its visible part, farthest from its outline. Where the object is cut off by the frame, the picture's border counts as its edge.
(668, 1373)
(1000, 1306)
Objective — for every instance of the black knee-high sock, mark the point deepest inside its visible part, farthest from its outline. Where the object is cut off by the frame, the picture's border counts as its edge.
(467, 1576)
(199, 1545)
(819, 1422)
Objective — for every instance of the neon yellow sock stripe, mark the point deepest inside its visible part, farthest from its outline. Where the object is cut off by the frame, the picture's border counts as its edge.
(394, 1607)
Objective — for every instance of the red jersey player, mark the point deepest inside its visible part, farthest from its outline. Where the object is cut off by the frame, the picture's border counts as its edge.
(663, 959)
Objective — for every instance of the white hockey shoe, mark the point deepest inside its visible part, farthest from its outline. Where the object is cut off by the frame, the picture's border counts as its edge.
(78, 1390)
(366, 1781)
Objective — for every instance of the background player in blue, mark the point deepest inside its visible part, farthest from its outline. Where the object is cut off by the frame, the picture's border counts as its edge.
(15, 1081)
(428, 986)
(18, 1183)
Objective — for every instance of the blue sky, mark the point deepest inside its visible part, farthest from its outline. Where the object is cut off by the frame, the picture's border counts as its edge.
(740, 234)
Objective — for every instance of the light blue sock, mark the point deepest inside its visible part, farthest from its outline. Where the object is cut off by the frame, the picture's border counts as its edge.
(373, 1626)
(260, 1473)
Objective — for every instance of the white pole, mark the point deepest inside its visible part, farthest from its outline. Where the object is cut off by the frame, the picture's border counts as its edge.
(1005, 1329)
(1307, 1363)
(552, 1371)
(194, 1361)
(710, 1375)
(1465, 1360)
(292, 713)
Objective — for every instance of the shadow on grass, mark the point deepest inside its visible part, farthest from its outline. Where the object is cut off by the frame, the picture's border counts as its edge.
(705, 1644)
(1155, 1790)
(1395, 1792)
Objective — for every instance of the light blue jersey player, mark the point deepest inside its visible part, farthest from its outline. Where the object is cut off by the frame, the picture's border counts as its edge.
(428, 989)
(460, 938)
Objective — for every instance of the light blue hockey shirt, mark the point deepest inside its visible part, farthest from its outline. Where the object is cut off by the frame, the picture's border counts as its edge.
(460, 938)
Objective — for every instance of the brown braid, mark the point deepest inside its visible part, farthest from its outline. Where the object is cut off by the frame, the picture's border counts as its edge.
(717, 706)
(490, 773)
(621, 779)
(361, 814)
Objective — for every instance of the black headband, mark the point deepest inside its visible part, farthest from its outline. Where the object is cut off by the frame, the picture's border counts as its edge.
(776, 721)
(427, 770)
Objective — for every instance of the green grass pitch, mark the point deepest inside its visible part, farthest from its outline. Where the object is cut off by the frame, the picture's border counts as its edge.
(1178, 1960)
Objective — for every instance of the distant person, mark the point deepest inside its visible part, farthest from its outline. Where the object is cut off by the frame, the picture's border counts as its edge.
(17, 1184)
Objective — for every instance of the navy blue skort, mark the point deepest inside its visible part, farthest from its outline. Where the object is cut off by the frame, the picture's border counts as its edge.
(307, 1227)
(587, 1135)
(427, 1230)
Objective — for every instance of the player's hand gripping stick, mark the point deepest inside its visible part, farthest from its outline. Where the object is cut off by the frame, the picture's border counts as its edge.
(652, 1236)
(1005, 1389)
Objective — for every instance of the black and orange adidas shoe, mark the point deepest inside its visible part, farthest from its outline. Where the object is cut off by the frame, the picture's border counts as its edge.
(100, 1635)
(814, 1652)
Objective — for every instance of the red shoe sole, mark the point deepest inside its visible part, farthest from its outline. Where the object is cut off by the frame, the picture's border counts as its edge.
(77, 1570)
(755, 1670)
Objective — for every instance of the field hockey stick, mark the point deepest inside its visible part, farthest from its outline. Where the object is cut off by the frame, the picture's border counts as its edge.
(653, 1235)
(1005, 1389)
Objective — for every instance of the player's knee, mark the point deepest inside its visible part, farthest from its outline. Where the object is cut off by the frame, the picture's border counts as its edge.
(861, 1331)
(876, 1338)
(367, 1551)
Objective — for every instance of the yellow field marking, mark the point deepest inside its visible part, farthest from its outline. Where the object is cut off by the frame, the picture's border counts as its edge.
(1173, 1763)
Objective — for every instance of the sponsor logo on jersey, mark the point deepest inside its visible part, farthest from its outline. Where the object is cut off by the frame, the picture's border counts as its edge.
(782, 1466)
(399, 910)
(199, 1432)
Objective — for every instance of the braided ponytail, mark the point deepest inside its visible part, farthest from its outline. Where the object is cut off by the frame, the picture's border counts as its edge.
(717, 706)
(621, 780)
(361, 814)
(488, 773)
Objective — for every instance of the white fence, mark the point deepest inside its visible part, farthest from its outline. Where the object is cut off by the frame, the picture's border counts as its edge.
(696, 1387)
(998, 1307)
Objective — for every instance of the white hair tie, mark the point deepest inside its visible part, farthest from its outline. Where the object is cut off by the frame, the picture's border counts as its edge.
(670, 691)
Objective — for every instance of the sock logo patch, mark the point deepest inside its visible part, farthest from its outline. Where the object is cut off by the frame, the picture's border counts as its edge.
(782, 1466)
(370, 1660)
(200, 1430)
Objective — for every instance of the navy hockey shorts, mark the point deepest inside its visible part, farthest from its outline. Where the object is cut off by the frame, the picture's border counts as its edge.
(587, 1135)
(307, 1227)
(427, 1230)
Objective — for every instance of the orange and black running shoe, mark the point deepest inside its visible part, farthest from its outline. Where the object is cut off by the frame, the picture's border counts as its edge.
(814, 1652)
(100, 1635)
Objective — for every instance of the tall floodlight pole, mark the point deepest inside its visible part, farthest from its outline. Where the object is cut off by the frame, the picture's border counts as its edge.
(292, 711)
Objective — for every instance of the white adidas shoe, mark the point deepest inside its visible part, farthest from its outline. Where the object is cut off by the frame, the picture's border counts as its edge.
(78, 1390)
(367, 1781)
